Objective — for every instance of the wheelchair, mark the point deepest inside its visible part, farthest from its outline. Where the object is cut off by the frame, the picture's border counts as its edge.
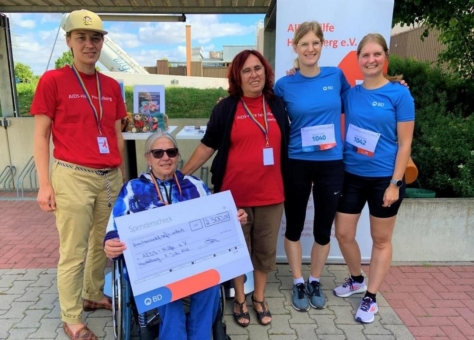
(128, 324)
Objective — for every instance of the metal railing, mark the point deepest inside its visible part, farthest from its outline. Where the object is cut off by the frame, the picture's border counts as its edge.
(7, 178)
(29, 171)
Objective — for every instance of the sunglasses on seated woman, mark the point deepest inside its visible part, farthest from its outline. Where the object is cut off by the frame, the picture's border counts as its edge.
(158, 153)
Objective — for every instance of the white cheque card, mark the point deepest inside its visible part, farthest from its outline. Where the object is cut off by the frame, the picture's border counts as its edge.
(180, 249)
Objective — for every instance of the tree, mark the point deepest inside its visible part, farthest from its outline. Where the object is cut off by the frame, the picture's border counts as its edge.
(23, 72)
(65, 59)
(455, 21)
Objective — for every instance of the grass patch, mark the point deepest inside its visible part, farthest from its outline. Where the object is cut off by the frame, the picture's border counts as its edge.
(181, 102)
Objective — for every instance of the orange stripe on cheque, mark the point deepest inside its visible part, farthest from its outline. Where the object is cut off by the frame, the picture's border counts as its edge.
(193, 284)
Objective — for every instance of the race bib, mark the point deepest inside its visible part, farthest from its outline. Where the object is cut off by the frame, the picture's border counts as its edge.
(319, 137)
(363, 141)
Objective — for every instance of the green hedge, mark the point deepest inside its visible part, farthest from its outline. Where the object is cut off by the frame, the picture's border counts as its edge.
(181, 102)
(443, 144)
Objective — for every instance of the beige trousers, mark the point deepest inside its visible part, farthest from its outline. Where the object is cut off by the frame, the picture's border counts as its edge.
(82, 213)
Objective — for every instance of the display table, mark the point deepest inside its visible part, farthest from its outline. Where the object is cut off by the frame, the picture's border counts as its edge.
(143, 135)
(190, 132)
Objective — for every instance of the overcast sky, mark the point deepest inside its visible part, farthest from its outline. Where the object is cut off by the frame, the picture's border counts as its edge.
(33, 37)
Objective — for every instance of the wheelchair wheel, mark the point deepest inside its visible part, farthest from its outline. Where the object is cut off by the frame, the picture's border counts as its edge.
(121, 308)
(222, 301)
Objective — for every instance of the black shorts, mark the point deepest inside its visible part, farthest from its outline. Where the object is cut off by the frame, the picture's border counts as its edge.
(358, 190)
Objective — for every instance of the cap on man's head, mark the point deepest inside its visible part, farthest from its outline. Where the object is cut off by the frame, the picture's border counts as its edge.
(84, 20)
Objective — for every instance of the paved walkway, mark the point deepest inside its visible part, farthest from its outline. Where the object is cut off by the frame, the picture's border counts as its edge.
(416, 302)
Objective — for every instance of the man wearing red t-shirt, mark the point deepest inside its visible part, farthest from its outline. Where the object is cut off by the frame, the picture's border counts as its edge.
(82, 110)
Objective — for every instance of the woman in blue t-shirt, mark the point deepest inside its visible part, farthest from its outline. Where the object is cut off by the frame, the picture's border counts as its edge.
(312, 98)
(380, 118)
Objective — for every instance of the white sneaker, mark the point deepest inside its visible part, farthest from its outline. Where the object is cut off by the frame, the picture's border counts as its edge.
(350, 287)
(366, 311)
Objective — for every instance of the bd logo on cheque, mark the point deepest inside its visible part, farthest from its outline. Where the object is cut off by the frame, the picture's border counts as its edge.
(154, 298)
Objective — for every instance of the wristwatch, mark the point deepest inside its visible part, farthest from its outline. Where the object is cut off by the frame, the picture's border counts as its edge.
(396, 182)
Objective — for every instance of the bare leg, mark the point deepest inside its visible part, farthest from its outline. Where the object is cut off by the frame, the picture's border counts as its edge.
(294, 255)
(240, 296)
(260, 283)
(346, 227)
(319, 255)
(381, 230)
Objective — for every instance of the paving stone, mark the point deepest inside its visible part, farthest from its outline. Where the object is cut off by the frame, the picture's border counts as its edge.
(327, 326)
(389, 317)
(271, 277)
(331, 337)
(109, 333)
(53, 288)
(343, 315)
(273, 290)
(97, 325)
(306, 331)
(6, 281)
(6, 301)
(241, 337)
(19, 287)
(297, 317)
(16, 271)
(280, 326)
(31, 274)
(353, 332)
(283, 337)
(45, 301)
(20, 333)
(376, 328)
(32, 319)
(55, 312)
(276, 305)
(257, 331)
(38, 305)
(48, 330)
(380, 337)
(6, 325)
(400, 332)
(333, 301)
(31, 294)
(44, 280)
(17, 310)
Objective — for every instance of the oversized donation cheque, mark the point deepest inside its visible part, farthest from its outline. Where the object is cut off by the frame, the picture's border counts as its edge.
(183, 248)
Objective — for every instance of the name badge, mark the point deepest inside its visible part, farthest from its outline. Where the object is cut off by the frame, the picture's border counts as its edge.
(103, 145)
(362, 141)
(319, 137)
(268, 156)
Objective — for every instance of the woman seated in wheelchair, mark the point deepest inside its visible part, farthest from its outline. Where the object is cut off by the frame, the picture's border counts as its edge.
(161, 186)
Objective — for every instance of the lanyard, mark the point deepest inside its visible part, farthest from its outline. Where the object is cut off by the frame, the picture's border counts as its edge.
(97, 115)
(168, 195)
(254, 119)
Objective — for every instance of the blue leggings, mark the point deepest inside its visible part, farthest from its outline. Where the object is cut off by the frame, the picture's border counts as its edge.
(197, 325)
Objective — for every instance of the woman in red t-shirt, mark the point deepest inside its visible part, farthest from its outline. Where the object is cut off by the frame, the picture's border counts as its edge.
(249, 131)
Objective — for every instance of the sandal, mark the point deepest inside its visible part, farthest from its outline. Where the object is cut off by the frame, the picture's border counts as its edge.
(264, 313)
(241, 315)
